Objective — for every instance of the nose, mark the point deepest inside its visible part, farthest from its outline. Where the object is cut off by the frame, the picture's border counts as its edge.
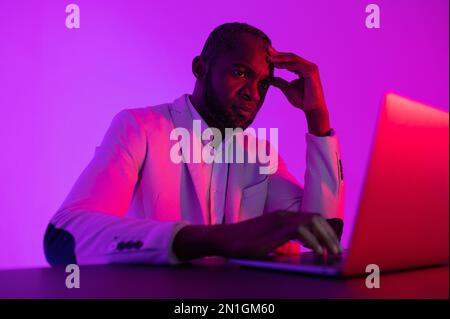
(250, 92)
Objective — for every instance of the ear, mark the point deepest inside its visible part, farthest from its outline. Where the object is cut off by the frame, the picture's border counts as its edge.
(199, 68)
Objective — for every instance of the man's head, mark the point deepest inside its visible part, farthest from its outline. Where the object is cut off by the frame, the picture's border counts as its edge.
(233, 75)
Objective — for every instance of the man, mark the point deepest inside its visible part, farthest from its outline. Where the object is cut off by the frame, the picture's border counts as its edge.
(133, 204)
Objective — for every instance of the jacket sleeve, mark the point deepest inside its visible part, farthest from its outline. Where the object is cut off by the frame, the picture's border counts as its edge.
(324, 187)
(91, 226)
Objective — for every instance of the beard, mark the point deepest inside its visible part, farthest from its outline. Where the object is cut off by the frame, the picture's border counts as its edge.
(219, 115)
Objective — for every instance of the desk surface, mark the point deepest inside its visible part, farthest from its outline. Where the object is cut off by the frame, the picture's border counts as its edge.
(215, 279)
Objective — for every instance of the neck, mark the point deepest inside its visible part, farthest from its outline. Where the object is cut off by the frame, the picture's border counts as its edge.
(196, 102)
(200, 106)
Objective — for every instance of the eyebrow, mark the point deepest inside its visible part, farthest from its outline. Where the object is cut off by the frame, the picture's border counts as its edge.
(243, 65)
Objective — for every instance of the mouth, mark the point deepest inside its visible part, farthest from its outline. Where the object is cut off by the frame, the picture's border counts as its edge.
(243, 111)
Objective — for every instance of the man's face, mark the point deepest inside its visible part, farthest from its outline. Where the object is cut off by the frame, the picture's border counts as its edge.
(237, 82)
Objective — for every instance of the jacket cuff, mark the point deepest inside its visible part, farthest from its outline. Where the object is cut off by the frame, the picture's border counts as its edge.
(324, 187)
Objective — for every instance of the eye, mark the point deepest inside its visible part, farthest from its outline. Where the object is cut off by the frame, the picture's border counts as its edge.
(238, 73)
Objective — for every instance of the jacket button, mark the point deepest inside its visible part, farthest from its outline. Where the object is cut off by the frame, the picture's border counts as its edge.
(138, 244)
(129, 245)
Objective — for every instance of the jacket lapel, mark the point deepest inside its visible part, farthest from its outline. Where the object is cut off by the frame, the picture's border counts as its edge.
(198, 172)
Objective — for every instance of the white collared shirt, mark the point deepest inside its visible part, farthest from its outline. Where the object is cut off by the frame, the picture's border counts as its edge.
(217, 173)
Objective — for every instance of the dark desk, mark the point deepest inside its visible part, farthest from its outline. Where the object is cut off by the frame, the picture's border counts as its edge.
(215, 279)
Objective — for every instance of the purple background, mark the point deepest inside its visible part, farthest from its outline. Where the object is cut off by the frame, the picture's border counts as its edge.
(60, 88)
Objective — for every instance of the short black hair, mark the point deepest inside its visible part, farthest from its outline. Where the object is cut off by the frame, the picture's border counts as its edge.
(223, 38)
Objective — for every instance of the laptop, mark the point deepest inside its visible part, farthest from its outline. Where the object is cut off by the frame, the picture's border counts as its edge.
(403, 215)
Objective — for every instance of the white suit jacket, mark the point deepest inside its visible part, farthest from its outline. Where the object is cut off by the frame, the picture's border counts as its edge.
(131, 199)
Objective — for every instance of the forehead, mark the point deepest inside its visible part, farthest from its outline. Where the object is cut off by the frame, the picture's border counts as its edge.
(248, 50)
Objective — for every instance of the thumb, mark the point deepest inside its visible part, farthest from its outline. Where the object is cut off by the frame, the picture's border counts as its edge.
(280, 83)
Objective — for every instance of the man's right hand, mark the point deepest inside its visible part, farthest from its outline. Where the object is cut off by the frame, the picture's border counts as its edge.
(256, 237)
(259, 236)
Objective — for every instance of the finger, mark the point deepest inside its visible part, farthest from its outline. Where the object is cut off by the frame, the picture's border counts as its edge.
(323, 235)
(309, 239)
(296, 67)
(331, 233)
(283, 58)
(288, 57)
(274, 53)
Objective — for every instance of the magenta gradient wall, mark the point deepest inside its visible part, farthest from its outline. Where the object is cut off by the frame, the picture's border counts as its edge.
(60, 88)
